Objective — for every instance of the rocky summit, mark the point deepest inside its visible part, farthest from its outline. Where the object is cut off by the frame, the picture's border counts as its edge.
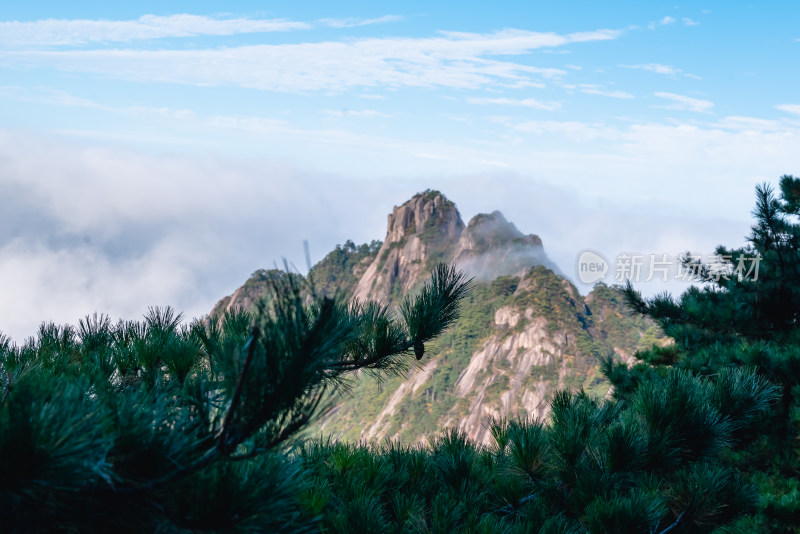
(428, 229)
(524, 333)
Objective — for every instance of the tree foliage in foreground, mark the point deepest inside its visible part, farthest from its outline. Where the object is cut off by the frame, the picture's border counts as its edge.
(650, 465)
(748, 319)
(157, 426)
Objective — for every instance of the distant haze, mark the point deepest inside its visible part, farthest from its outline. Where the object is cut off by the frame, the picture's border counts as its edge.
(158, 154)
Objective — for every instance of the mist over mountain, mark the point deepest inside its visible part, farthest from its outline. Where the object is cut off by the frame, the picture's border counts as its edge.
(525, 331)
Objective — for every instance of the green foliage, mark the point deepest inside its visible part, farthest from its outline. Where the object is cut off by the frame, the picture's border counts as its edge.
(341, 269)
(157, 426)
(583, 327)
(741, 318)
(431, 194)
(593, 467)
(435, 307)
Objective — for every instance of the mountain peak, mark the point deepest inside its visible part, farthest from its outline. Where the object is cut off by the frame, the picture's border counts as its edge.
(491, 246)
(427, 229)
(427, 211)
(488, 230)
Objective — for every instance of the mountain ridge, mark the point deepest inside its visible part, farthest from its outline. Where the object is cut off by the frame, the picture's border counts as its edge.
(525, 331)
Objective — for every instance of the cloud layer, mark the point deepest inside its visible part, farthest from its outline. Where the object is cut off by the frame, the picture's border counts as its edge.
(54, 32)
(89, 229)
(454, 60)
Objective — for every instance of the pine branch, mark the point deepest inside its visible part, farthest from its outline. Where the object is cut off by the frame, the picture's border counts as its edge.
(509, 508)
(436, 306)
(223, 444)
(237, 393)
(6, 389)
(673, 525)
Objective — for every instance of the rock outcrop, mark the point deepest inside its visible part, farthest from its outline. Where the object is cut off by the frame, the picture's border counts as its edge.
(420, 232)
(427, 229)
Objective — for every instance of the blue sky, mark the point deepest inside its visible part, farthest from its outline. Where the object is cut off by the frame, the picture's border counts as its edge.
(158, 153)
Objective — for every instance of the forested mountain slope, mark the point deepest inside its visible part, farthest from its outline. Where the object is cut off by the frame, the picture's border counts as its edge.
(525, 331)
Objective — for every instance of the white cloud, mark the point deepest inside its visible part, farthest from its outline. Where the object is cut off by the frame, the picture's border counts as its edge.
(451, 158)
(353, 22)
(569, 220)
(573, 130)
(512, 41)
(689, 22)
(663, 22)
(456, 60)
(655, 67)
(57, 97)
(92, 229)
(750, 124)
(794, 109)
(525, 102)
(50, 96)
(360, 113)
(64, 284)
(610, 94)
(685, 103)
(60, 32)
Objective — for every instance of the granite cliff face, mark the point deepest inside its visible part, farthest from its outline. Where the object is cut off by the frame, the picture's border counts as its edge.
(524, 333)
(419, 233)
(429, 229)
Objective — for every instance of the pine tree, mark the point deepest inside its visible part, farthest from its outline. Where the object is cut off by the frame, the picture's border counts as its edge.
(649, 465)
(745, 315)
(156, 426)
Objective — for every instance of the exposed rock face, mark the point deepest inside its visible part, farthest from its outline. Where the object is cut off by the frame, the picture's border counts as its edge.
(427, 229)
(247, 295)
(520, 339)
(340, 270)
(514, 356)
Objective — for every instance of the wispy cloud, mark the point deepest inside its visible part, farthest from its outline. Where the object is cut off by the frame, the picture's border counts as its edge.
(658, 68)
(689, 22)
(524, 102)
(667, 20)
(50, 96)
(60, 32)
(794, 109)
(352, 22)
(456, 60)
(752, 124)
(360, 113)
(603, 92)
(685, 103)
(573, 130)
(58, 97)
